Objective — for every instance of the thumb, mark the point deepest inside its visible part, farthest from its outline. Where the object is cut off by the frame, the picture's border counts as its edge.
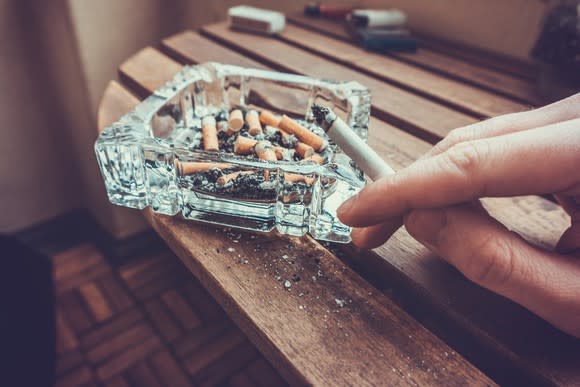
(500, 260)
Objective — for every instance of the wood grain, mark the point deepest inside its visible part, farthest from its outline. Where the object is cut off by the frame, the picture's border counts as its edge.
(511, 80)
(451, 295)
(469, 99)
(296, 328)
(404, 109)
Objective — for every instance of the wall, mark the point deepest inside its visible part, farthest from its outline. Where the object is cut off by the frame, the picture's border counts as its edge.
(37, 178)
(57, 57)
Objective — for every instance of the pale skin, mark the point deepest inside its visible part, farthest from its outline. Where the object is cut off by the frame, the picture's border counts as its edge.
(437, 198)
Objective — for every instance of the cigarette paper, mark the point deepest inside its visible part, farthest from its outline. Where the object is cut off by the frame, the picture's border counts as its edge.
(193, 167)
(209, 133)
(253, 121)
(223, 180)
(304, 150)
(236, 120)
(244, 145)
(359, 151)
(264, 151)
(288, 125)
(269, 118)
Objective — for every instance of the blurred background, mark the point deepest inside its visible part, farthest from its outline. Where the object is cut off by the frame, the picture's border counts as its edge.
(56, 58)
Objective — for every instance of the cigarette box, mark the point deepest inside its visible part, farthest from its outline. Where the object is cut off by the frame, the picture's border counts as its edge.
(160, 155)
(256, 19)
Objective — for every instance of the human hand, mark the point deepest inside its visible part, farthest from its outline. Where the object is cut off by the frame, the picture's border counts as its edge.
(535, 152)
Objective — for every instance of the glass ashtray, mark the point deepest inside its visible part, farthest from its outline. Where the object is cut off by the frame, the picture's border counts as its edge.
(153, 157)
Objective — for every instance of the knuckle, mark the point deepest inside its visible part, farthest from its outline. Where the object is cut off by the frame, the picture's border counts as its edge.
(493, 263)
(466, 157)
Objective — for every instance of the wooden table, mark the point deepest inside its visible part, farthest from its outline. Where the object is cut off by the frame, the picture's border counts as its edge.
(408, 317)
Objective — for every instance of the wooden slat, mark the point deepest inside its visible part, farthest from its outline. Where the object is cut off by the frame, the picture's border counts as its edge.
(478, 70)
(460, 96)
(364, 337)
(537, 219)
(416, 114)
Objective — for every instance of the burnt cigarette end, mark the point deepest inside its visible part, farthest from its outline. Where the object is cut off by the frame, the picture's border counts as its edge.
(319, 112)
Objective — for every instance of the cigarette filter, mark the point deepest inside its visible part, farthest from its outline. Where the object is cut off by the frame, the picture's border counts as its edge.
(304, 150)
(193, 167)
(358, 150)
(253, 121)
(264, 151)
(223, 180)
(244, 145)
(288, 125)
(209, 133)
(269, 118)
(236, 120)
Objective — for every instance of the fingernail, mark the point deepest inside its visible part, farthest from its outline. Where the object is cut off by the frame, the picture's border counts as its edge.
(345, 207)
(426, 225)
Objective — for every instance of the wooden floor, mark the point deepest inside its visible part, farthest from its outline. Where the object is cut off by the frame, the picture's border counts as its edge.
(146, 322)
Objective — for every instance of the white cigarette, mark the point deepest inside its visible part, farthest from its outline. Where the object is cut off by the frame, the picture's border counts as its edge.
(359, 151)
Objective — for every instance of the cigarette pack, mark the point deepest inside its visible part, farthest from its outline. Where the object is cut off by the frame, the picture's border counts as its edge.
(256, 19)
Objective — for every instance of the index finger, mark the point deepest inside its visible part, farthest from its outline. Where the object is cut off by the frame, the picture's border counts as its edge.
(533, 162)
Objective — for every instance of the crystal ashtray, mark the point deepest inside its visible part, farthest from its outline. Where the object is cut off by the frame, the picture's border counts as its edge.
(146, 157)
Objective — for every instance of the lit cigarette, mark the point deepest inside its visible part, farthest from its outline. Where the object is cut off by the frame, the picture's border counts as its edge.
(225, 179)
(358, 150)
(236, 120)
(316, 158)
(269, 118)
(264, 151)
(287, 124)
(253, 121)
(304, 150)
(244, 145)
(209, 133)
(192, 167)
(296, 178)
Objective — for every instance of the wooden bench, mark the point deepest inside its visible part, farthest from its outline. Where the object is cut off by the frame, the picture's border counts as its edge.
(408, 317)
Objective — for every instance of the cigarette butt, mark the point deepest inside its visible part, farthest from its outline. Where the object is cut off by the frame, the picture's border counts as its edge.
(269, 118)
(209, 133)
(304, 150)
(236, 120)
(225, 179)
(264, 151)
(253, 121)
(287, 124)
(244, 145)
(192, 167)
(296, 178)
(222, 126)
(316, 158)
(281, 152)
